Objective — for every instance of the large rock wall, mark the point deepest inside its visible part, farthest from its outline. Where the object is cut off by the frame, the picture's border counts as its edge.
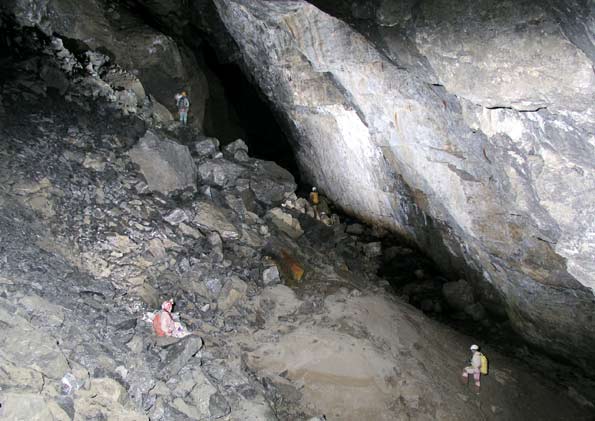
(467, 127)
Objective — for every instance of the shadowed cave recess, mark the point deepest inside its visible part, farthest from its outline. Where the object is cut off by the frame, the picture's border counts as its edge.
(453, 140)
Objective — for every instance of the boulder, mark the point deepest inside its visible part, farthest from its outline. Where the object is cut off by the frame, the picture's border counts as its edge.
(241, 156)
(220, 172)
(124, 81)
(25, 346)
(178, 356)
(160, 113)
(207, 147)
(235, 146)
(166, 165)
(212, 218)
(238, 150)
(195, 391)
(233, 291)
(285, 222)
(270, 183)
(176, 217)
(37, 408)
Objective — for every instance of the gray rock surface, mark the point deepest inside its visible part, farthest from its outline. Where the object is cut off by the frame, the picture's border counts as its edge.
(270, 276)
(285, 222)
(207, 147)
(87, 253)
(211, 218)
(454, 126)
(166, 165)
(270, 183)
(220, 173)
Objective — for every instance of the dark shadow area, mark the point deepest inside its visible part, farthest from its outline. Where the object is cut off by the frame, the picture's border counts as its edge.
(255, 118)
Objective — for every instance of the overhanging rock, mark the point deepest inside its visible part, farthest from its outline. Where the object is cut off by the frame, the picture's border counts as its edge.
(408, 133)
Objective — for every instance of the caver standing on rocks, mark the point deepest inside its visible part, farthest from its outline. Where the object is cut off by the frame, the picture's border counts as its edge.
(314, 201)
(183, 104)
(479, 365)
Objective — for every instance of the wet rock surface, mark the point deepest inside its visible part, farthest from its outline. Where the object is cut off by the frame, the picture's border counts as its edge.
(285, 327)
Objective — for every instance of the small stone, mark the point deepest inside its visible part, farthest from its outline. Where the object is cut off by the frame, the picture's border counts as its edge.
(189, 231)
(218, 406)
(235, 146)
(157, 249)
(94, 162)
(176, 217)
(270, 276)
(214, 287)
(233, 291)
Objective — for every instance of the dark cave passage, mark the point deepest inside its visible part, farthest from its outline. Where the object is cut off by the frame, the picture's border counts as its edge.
(254, 119)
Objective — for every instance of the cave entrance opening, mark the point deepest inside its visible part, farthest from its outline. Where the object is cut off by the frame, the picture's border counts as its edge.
(237, 109)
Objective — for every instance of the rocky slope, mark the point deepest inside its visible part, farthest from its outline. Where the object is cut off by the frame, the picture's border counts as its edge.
(105, 212)
(471, 123)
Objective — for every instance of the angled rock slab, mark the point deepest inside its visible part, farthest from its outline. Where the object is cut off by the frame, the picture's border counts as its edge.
(220, 173)
(166, 165)
(212, 218)
(178, 355)
(270, 182)
(25, 346)
(30, 407)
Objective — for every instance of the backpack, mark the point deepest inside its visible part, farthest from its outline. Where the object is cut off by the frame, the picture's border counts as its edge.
(484, 364)
(183, 103)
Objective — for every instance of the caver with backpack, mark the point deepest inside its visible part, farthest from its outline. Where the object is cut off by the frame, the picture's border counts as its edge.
(478, 366)
(183, 104)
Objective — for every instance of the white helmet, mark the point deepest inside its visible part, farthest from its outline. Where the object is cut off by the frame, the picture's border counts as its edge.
(313, 188)
(474, 347)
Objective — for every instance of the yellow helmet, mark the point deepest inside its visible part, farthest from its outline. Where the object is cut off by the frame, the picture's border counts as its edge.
(183, 93)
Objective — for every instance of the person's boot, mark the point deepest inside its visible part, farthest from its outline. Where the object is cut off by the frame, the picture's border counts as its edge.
(476, 388)
(464, 379)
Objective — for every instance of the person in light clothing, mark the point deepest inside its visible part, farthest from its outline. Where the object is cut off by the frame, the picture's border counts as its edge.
(474, 368)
